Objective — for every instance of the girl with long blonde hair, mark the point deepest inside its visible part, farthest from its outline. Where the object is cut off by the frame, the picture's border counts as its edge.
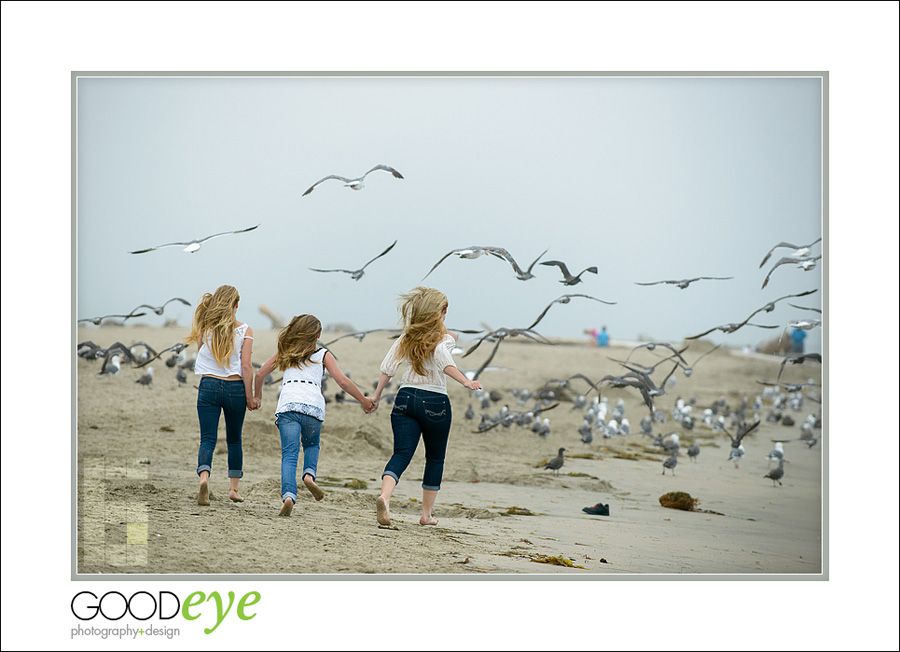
(301, 405)
(421, 407)
(226, 385)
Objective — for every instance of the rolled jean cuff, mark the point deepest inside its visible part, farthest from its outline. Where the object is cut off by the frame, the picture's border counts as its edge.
(307, 472)
(235, 474)
(429, 487)
(287, 495)
(204, 467)
(393, 475)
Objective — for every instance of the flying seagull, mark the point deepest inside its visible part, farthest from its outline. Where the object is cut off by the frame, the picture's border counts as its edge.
(818, 310)
(728, 328)
(159, 309)
(798, 360)
(356, 274)
(568, 279)
(193, 245)
(566, 298)
(769, 307)
(799, 250)
(362, 334)
(476, 251)
(96, 320)
(807, 263)
(177, 348)
(355, 184)
(683, 283)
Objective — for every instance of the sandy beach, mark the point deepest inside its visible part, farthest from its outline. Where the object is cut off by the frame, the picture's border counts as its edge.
(500, 512)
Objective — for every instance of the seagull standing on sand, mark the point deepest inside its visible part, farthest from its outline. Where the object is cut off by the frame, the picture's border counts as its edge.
(356, 274)
(671, 463)
(357, 183)
(194, 245)
(568, 279)
(777, 453)
(777, 473)
(147, 378)
(694, 451)
(556, 463)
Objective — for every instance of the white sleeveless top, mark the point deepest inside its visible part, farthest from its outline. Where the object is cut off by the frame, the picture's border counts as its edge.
(206, 362)
(301, 388)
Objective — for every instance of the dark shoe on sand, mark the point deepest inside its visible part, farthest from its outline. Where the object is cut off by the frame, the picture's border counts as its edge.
(203, 496)
(597, 510)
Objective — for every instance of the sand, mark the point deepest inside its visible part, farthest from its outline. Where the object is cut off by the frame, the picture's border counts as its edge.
(499, 511)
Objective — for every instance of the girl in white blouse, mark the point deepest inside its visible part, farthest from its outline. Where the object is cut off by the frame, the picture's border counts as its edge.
(421, 407)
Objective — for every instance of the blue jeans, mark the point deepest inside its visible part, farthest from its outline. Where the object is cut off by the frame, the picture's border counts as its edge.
(420, 412)
(215, 397)
(296, 428)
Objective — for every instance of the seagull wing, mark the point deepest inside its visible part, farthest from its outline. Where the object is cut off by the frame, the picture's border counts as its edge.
(386, 168)
(505, 255)
(348, 271)
(187, 303)
(713, 278)
(175, 347)
(486, 362)
(561, 265)
(379, 255)
(330, 176)
(541, 316)
(216, 235)
(654, 282)
(168, 244)
(694, 337)
(780, 244)
(528, 271)
(441, 260)
(805, 308)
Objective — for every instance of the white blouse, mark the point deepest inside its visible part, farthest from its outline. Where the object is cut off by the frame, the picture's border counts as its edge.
(206, 361)
(434, 379)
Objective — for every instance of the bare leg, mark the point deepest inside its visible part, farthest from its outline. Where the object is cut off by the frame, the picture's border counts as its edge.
(233, 494)
(383, 502)
(428, 498)
(203, 496)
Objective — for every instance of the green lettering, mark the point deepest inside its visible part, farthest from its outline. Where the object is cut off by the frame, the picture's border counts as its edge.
(190, 602)
(245, 603)
(220, 616)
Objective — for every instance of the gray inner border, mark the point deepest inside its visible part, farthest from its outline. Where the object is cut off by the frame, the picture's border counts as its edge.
(823, 576)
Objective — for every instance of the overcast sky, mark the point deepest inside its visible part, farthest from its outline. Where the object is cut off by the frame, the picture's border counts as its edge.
(648, 178)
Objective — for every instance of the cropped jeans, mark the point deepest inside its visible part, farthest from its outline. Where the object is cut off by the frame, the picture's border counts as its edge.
(218, 396)
(419, 412)
(297, 428)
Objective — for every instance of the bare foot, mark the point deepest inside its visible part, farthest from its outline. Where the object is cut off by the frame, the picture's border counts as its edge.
(384, 514)
(314, 489)
(235, 496)
(430, 520)
(203, 496)
(287, 507)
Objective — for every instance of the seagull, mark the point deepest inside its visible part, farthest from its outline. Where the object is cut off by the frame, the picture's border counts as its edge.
(799, 251)
(111, 365)
(356, 274)
(501, 334)
(776, 474)
(737, 448)
(362, 334)
(96, 320)
(769, 307)
(194, 245)
(556, 463)
(777, 453)
(355, 184)
(670, 463)
(693, 452)
(683, 283)
(818, 310)
(180, 376)
(798, 360)
(566, 298)
(147, 378)
(806, 263)
(159, 309)
(568, 279)
(729, 328)
(688, 370)
(474, 252)
(650, 346)
(806, 324)
(177, 348)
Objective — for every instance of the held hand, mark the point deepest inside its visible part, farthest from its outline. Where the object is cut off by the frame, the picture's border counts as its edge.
(374, 406)
(253, 403)
(367, 405)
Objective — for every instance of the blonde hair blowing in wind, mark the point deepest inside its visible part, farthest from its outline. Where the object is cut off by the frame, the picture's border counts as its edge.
(421, 313)
(215, 315)
(297, 342)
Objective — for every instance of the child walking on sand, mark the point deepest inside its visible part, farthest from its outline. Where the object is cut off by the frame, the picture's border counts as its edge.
(223, 360)
(421, 407)
(301, 406)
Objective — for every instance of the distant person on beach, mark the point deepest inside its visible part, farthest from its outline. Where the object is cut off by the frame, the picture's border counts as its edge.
(226, 386)
(421, 406)
(603, 337)
(301, 406)
(797, 337)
